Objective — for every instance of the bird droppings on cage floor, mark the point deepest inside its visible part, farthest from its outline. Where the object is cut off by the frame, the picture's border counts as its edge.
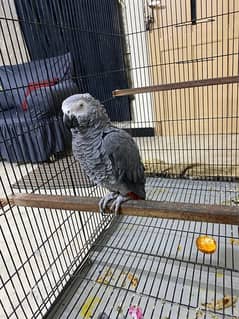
(119, 309)
(234, 241)
(225, 302)
(172, 283)
(108, 275)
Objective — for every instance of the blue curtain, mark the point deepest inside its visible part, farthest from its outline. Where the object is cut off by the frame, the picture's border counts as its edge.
(91, 31)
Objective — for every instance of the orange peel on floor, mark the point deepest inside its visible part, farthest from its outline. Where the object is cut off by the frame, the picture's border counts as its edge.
(206, 244)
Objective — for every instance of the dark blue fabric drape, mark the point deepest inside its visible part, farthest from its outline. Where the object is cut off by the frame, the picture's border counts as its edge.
(91, 31)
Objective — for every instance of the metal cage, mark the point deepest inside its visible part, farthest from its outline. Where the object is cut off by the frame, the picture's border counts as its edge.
(168, 73)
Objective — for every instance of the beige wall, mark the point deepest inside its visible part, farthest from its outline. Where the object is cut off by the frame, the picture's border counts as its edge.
(200, 110)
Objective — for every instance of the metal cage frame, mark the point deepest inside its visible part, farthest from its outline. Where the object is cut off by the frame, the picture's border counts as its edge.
(177, 71)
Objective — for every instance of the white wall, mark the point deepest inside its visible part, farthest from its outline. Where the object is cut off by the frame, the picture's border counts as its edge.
(139, 56)
(11, 42)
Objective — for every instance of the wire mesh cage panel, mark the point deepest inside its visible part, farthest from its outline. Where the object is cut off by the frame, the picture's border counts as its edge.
(153, 263)
(181, 60)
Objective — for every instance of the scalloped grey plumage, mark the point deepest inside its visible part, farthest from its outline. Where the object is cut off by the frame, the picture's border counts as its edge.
(109, 155)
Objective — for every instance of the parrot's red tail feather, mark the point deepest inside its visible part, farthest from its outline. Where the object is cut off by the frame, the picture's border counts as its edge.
(134, 196)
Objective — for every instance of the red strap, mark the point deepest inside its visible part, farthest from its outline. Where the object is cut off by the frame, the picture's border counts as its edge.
(34, 86)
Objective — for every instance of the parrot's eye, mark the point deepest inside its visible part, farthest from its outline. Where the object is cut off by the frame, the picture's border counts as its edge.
(81, 105)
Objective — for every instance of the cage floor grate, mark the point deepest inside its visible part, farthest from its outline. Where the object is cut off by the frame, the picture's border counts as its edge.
(154, 263)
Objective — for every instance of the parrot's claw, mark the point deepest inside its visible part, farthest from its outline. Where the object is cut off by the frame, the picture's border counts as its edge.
(115, 206)
(105, 200)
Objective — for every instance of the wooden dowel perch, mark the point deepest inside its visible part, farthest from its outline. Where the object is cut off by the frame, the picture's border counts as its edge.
(194, 212)
(177, 85)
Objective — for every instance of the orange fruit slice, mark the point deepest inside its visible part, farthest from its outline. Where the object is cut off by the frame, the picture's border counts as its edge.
(206, 244)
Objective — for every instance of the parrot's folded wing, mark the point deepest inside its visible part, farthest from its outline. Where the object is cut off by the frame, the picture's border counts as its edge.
(126, 163)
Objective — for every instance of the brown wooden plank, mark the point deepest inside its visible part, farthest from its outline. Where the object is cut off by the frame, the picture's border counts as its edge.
(177, 85)
(195, 212)
(4, 202)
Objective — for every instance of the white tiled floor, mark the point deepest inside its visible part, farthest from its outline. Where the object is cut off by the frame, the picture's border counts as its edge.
(14, 172)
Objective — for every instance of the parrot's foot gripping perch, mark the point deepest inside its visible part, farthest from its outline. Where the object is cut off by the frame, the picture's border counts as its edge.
(105, 200)
(115, 206)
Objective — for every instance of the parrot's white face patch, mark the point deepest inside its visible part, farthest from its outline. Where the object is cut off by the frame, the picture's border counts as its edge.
(77, 108)
(76, 105)
(82, 111)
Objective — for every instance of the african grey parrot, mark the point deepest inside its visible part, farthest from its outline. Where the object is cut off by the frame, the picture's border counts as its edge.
(109, 155)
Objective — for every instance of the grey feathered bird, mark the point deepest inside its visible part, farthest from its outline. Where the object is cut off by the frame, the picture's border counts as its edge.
(109, 155)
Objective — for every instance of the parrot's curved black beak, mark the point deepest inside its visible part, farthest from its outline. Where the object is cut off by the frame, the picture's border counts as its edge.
(70, 121)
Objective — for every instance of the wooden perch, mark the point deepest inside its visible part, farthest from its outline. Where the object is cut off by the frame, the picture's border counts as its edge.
(4, 202)
(194, 212)
(177, 85)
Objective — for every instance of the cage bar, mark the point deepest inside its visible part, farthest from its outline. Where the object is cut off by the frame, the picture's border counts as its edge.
(167, 72)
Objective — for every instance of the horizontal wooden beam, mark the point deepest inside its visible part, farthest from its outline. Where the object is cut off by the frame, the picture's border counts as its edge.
(177, 85)
(194, 212)
(4, 202)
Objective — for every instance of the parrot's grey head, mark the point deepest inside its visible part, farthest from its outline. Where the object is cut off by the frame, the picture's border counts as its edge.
(83, 111)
